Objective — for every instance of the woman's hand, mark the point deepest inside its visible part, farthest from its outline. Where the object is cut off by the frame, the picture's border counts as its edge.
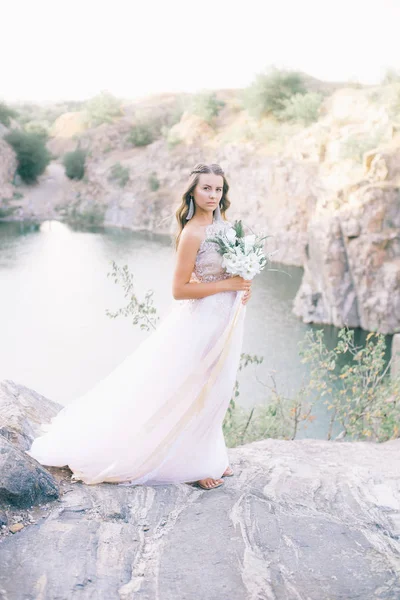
(238, 284)
(246, 296)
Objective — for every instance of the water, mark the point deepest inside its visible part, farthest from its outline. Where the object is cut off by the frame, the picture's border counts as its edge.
(57, 339)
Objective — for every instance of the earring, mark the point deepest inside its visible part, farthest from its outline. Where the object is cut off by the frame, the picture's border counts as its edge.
(191, 209)
(217, 215)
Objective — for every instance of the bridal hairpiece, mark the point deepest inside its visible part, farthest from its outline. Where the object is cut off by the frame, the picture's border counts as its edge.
(201, 170)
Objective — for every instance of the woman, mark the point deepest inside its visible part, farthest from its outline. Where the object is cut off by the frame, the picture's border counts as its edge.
(157, 418)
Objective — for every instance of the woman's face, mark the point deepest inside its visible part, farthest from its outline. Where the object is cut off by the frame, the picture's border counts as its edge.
(208, 191)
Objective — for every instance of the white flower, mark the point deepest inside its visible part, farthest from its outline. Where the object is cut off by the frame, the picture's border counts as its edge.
(243, 256)
(230, 235)
(249, 241)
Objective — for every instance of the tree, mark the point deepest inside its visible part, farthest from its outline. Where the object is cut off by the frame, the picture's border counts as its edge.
(32, 154)
(269, 91)
(74, 163)
(6, 114)
(103, 108)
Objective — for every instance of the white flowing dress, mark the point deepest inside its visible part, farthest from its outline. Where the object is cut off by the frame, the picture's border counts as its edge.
(157, 417)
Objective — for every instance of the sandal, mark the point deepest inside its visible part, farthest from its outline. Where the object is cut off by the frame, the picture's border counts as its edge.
(203, 487)
(228, 474)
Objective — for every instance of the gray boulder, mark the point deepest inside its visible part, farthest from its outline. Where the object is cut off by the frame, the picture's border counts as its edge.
(23, 482)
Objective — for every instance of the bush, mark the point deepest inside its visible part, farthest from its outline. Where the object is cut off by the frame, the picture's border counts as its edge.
(6, 114)
(103, 108)
(391, 76)
(39, 128)
(392, 99)
(74, 163)
(269, 91)
(32, 154)
(171, 138)
(354, 147)
(354, 381)
(361, 394)
(154, 184)
(91, 215)
(301, 108)
(119, 174)
(206, 105)
(141, 134)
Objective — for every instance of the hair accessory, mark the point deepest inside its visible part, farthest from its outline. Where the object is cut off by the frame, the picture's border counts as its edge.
(191, 209)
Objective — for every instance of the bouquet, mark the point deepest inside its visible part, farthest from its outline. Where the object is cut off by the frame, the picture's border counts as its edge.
(241, 254)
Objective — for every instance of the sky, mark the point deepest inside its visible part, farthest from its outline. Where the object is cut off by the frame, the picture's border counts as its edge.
(53, 51)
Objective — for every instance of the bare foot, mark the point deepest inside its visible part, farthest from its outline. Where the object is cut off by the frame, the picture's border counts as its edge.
(209, 482)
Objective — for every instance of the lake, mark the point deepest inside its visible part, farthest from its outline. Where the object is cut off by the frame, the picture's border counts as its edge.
(57, 339)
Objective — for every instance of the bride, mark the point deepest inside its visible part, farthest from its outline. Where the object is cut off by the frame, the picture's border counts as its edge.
(157, 417)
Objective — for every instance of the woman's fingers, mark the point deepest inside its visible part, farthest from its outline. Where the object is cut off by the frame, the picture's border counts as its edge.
(246, 297)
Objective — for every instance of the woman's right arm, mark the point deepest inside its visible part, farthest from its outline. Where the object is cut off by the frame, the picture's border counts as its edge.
(182, 289)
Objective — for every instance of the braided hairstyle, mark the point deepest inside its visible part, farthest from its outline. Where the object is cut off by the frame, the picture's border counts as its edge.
(194, 176)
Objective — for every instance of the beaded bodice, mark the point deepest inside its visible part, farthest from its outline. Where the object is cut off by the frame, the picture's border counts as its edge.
(208, 264)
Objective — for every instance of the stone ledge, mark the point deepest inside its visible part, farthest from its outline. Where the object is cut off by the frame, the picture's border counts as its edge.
(300, 519)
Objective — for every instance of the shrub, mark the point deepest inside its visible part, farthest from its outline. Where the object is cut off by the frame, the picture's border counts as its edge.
(103, 108)
(6, 114)
(6, 210)
(391, 76)
(206, 105)
(32, 154)
(154, 183)
(74, 163)
(362, 396)
(119, 174)
(268, 92)
(141, 134)
(89, 215)
(39, 128)
(171, 138)
(354, 147)
(301, 108)
(391, 98)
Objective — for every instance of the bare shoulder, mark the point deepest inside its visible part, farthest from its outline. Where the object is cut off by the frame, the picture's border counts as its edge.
(192, 235)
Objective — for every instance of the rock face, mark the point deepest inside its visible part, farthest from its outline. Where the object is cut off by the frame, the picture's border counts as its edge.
(8, 166)
(352, 263)
(395, 367)
(299, 519)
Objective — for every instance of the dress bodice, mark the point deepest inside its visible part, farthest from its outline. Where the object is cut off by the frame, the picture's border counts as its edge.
(208, 264)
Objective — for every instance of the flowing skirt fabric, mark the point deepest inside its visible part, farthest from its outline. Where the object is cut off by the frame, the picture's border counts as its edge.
(157, 417)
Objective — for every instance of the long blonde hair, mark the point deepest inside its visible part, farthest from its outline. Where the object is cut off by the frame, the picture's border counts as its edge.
(194, 176)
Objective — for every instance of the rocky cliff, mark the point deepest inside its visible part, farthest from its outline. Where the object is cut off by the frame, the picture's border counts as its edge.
(8, 165)
(299, 519)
